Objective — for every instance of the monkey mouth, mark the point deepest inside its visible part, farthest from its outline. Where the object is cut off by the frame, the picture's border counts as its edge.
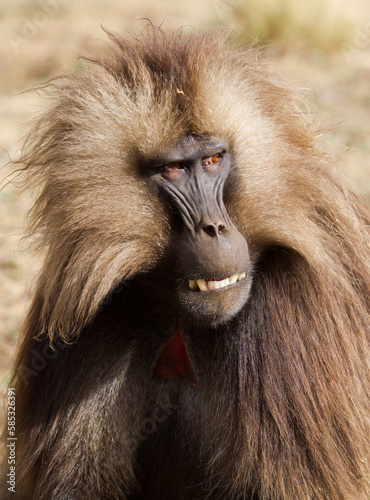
(201, 285)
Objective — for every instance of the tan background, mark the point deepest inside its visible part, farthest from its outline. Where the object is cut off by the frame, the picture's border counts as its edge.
(322, 45)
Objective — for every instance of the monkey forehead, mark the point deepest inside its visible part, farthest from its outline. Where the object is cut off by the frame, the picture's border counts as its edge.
(167, 86)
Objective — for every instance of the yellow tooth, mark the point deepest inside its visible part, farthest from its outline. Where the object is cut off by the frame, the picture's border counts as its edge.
(215, 285)
(193, 284)
(202, 285)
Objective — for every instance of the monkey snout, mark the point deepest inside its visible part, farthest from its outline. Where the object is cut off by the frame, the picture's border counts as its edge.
(215, 251)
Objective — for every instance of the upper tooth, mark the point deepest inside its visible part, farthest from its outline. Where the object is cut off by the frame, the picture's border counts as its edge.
(193, 284)
(212, 285)
(225, 282)
(215, 285)
(202, 285)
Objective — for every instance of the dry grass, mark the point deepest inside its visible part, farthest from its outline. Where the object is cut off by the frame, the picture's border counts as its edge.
(316, 24)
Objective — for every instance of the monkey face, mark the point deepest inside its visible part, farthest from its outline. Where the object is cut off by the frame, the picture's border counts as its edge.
(211, 256)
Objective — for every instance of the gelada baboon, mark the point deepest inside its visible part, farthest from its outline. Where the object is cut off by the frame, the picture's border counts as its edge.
(200, 327)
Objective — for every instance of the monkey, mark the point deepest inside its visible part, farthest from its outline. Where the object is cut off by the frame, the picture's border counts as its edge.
(200, 326)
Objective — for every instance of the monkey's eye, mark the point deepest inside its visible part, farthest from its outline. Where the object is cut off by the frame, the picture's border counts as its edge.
(211, 160)
(173, 167)
(173, 170)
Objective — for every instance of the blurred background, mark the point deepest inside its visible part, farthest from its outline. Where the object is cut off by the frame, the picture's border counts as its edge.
(323, 45)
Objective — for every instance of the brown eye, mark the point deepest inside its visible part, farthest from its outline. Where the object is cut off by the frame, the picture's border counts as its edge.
(173, 170)
(172, 167)
(212, 160)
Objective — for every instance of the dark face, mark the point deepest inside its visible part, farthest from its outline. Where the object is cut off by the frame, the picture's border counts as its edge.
(211, 256)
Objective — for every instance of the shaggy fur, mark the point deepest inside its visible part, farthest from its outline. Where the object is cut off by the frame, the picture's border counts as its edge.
(282, 408)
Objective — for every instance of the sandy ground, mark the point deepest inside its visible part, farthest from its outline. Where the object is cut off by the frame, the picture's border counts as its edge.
(37, 38)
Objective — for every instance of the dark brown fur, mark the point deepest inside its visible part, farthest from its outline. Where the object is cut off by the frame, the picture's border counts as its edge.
(282, 408)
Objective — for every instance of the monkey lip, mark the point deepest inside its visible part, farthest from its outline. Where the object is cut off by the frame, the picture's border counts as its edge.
(201, 285)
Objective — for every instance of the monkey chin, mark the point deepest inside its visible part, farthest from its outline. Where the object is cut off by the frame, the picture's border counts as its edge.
(211, 308)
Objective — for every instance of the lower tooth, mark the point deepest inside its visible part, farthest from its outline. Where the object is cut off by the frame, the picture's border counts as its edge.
(241, 276)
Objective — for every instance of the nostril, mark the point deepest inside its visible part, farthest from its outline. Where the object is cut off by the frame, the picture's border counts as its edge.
(214, 229)
(210, 230)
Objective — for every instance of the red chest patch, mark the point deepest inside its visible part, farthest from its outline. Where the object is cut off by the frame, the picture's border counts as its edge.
(173, 361)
